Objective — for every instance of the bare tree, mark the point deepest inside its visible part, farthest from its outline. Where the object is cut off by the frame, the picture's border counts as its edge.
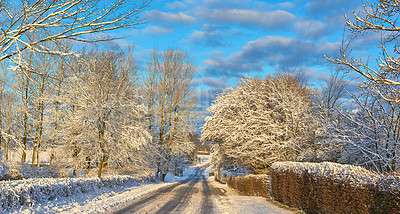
(9, 117)
(170, 101)
(333, 89)
(43, 64)
(23, 88)
(370, 134)
(79, 20)
(378, 16)
(329, 101)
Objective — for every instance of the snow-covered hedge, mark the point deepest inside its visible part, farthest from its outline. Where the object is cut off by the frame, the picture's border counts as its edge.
(26, 192)
(355, 175)
(334, 188)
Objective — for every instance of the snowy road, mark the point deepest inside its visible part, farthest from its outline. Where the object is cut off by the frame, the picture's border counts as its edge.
(198, 194)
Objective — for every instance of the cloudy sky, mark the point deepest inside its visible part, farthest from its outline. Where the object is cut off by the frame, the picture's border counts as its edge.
(234, 38)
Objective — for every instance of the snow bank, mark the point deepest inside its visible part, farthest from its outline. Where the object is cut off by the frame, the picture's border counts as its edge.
(27, 192)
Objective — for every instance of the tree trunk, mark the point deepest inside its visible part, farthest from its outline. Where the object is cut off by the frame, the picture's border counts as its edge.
(25, 137)
(8, 142)
(100, 167)
(34, 155)
(51, 158)
(23, 158)
(7, 148)
(38, 155)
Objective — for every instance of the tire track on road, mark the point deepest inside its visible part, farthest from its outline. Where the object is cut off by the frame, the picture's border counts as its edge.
(181, 196)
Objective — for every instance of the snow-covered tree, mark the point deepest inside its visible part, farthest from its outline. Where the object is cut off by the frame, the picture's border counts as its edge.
(53, 98)
(104, 122)
(369, 134)
(23, 108)
(260, 121)
(4, 85)
(328, 101)
(44, 69)
(171, 104)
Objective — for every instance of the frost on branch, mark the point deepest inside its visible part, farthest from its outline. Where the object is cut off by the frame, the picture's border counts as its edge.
(77, 20)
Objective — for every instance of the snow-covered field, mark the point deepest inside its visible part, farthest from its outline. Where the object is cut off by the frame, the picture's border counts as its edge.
(102, 198)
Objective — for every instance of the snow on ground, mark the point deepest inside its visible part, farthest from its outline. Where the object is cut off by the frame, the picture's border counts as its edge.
(230, 201)
(105, 198)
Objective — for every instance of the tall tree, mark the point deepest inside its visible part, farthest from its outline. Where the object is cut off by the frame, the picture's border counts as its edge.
(170, 102)
(105, 124)
(23, 88)
(9, 118)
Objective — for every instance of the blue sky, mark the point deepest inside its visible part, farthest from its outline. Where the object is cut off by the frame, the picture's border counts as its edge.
(234, 38)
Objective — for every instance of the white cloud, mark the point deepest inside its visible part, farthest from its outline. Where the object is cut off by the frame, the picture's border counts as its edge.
(176, 5)
(276, 51)
(208, 81)
(311, 29)
(180, 17)
(248, 18)
(157, 30)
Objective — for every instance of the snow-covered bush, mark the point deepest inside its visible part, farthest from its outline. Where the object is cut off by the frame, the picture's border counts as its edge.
(3, 167)
(27, 171)
(26, 192)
